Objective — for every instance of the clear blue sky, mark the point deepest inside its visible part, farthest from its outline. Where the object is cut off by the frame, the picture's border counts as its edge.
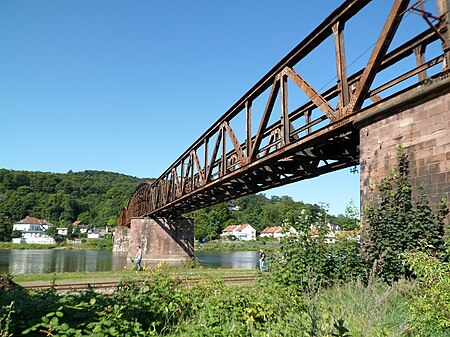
(127, 86)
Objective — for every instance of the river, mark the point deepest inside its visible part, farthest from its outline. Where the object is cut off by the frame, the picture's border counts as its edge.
(37, 261)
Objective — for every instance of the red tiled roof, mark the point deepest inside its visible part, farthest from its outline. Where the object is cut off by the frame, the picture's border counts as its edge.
(274, 229)
(238, 228)
(230, 228)
(34, 221)
(30, 220)
(348, 233)
(242, 227)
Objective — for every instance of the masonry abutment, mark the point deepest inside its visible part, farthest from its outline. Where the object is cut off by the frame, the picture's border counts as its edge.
(421, 124)
(162, 240)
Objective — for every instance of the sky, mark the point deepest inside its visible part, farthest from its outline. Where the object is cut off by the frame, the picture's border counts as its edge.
(128, 86)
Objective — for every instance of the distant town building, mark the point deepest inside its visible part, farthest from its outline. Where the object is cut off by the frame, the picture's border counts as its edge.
(81, 225)
(98, 233)
(243, 232)
(330, 236)
(62, 231)
(33, 231)
(277, 232)
(272, 232)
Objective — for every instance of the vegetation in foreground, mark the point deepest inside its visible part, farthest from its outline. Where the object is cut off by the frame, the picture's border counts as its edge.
(162, 306)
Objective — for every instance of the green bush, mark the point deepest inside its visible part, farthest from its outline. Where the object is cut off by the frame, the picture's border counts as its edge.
(430, 308)
(309, 262)
(395, 224)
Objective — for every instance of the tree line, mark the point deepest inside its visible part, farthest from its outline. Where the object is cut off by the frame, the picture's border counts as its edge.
(93, 197)
(260, 212)
(96, 197)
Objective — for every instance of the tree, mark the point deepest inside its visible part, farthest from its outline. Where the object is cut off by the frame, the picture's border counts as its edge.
(6, 227)
(70, 231)
(91, 196)
(51, 231)
(210, 221)
(351, 219)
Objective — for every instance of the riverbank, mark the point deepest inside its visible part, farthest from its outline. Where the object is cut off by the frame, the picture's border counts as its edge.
(238, 245)
(95, 244)
(107, 244)
(183, 271)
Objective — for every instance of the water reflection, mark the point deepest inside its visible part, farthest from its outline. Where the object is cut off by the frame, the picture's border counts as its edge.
(233, 260)
(37, 261)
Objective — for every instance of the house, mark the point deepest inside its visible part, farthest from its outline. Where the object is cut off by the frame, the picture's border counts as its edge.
(62, 231)
(97, 233)
(330, 236)
(277, 232)
(272, 232)
(349, 235)
(76, 224)
(81, 225)
(243, 232)
(33, 231)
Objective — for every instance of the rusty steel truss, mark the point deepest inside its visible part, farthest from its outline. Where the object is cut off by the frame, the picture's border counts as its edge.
(231, 159)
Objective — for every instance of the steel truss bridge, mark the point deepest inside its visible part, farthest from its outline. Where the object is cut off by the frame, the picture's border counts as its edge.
(266, 140)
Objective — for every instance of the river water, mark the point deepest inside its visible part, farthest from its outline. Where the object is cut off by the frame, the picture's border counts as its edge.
(36, 261)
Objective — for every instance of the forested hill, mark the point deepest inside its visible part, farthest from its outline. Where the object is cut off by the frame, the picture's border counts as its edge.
(94, 197)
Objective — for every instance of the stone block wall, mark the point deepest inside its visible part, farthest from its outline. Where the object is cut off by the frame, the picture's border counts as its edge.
(162, 239)
(121, 239)
(424, 131)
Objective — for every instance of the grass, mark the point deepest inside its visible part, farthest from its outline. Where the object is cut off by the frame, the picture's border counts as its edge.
(11, 245)
(376, 309)
(130, 274)
(239, 245)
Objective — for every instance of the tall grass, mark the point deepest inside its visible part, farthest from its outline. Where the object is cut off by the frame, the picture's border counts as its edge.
(376, 309)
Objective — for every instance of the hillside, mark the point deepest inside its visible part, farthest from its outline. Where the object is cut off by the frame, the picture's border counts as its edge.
(95, 197)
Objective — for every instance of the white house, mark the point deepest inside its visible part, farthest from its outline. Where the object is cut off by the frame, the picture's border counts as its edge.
(277, 232)
(330, 236)
(62, 231)
(82, 226)
(272, 232)
(97, 233)
(243, 232)
(33, 231)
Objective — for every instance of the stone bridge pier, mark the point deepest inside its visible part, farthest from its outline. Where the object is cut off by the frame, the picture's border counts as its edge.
(420, 122)
(162, 240)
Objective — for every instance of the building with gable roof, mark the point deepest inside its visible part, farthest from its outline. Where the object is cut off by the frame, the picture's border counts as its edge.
(33, 231)
(272, 232)
(277, 232)
(243, 232)
(81, 225)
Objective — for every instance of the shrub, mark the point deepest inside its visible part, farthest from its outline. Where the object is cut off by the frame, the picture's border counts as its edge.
(309, 262)
(395, 224)
(430, 308)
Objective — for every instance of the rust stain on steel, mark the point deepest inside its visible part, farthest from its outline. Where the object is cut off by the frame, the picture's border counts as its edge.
(304, 141)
